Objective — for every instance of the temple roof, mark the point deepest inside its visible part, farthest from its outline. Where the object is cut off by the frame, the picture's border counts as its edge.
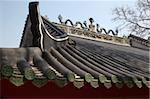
(47, 53)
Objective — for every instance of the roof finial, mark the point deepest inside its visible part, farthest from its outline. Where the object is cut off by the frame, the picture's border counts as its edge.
(91, 20)
(91, 26)
(60, 18)
(85, 24)
(117, 31)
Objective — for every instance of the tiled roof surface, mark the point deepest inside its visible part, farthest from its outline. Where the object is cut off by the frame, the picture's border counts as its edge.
(78, 62)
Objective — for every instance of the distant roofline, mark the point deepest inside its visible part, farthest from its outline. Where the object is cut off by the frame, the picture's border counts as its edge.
(138, 38)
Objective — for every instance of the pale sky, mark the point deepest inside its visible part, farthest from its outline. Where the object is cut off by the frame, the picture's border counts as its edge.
(13, 14)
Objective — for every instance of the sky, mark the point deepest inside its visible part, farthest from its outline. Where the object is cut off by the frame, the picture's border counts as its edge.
(13, 14)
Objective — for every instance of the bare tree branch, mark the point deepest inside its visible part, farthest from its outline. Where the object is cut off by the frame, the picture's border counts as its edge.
(136, 20)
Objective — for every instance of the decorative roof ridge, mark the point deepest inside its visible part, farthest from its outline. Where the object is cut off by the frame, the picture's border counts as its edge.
(138, 38)
(91, 27)
(39, 28)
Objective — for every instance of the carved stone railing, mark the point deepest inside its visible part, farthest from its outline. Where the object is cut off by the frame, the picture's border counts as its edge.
(71, 30)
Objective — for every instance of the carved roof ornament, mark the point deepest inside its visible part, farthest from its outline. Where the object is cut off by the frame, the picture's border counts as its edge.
(60, 18)
(79, 23)
(100, 30)
(117, 31)
(68, 20)
(91, 26)
(111, 31)
(97, 29)
(91, 20)
(85, 24)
